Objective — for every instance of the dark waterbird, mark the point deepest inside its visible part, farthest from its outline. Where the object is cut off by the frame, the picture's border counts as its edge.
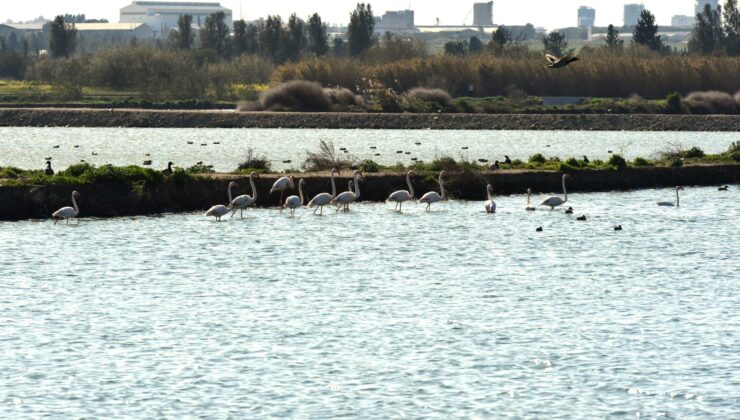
(569, 211)
(539, 229)
(585, 159)
(48, 171)
(558, 62)
(723, 188)
(147, 162)
(168, 171)
(507, 160)
(618, 227)
(582, 218)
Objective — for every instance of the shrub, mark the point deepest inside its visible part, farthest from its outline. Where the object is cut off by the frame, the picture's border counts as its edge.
(254, 162)
(369, 166)
(673, 101)
(715, 100)
(617, 161)
(537, 158)
(641, 162)
(343, 96)
(573, 162)
(298, 95)
(693, 153)
(200, 169)
(437, 96)
(325, 159)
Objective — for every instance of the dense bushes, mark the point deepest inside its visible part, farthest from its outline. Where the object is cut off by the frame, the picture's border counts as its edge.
(297, 95)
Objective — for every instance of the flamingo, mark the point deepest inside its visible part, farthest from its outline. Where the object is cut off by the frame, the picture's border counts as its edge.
(555, 201)
(490, 204)
(529, 207)
(220, 210)
(282, 184)
(325, 198)
(243, 201)
(669, 203)
(293, 202)
(432, 196)
(344, 199)
(402, 195)
(67, 212)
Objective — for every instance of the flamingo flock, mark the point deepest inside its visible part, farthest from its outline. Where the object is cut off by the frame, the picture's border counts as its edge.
(342, 201)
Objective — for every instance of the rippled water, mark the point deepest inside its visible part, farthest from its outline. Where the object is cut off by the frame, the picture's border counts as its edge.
(376, 314)
(28, 147)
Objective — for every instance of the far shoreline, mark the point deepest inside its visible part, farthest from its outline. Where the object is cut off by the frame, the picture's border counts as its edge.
(148, 118)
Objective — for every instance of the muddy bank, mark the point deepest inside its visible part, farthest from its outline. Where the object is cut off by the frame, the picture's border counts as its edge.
(57, 117)
(38, 202)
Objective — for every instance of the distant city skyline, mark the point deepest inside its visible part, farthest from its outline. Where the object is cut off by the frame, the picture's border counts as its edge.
(546, 13)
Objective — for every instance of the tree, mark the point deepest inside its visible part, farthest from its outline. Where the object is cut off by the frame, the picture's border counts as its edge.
(475, 46)
(317, 40)
(361, 29)
(646, 32)
(63, 38)
(215, 34)
(500, 39)
(241, 41)
(183, 37)
(297, 40)
(459, 47)
(272, 39)
(707, 35)
(612, 38)
(339, 47)
(555, 44)
(731, 28)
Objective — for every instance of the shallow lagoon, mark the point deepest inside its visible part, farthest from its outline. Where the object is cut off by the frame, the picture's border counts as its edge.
(376, 314)
(28, 147)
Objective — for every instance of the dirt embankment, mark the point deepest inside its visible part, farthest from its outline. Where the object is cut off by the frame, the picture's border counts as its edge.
(58, 117)
(38, 202)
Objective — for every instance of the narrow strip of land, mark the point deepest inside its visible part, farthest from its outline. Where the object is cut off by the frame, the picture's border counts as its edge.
(86, 117)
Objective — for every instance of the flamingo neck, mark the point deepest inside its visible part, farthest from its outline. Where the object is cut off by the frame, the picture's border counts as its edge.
(333, 186)
(357, 187)
(300, 191)
(254, 190)
(529, 198)
(442, 188)
(677, 199)
(565, 192)
(490, 194)
(74, 204)
(230, 187)
(408, 182)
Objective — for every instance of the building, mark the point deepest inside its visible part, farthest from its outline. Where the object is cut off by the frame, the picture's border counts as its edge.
(398, 21)
(699, 7)
(483, 14)
(119, 30)
(682, 21)
(632, 14)
(586, 17)
(162, 16)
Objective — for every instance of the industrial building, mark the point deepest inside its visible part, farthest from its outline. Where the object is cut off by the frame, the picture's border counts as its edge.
(699, 7)
(632, 14)
(162, 16)
(483, 14)
(682, 21)
(586, 17)
(401, 21)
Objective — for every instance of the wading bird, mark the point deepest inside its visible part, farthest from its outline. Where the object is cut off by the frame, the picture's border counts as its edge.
(669, 203)
(283, 184)
(67, 212)
(555, 201)
(293, 202)
(558, 62)
(432, 196)
(490, 204)
(400, 196)
(344, 199)
(529, 207)
(325, 198)
(243, 201)
(48, 171)
(220, 210)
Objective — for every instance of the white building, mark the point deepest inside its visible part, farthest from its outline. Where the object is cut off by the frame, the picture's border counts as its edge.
(586, 17)
(681, 21)
(162, 16)
(632, 13)
(399, 21)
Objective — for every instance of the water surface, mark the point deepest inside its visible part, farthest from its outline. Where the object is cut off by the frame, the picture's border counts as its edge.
(375, 314)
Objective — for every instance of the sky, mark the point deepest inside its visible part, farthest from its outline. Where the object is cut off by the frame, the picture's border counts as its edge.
(550, 14)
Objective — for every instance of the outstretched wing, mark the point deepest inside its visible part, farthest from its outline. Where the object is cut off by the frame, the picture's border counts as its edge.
(551, 58)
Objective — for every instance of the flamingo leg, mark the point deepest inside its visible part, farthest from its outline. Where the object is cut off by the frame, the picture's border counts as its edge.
(241, 214)
(429, 206)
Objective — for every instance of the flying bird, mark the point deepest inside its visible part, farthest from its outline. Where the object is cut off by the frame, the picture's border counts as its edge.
(558, 62)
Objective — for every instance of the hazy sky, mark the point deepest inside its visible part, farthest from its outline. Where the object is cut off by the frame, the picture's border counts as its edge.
(548, 13)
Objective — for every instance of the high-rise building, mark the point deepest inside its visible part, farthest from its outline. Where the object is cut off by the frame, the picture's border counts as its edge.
(483, 14)
(586, 17)
(162, 16)
(398, 21)
(699, 7)
(632, 14)
(681, 21)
